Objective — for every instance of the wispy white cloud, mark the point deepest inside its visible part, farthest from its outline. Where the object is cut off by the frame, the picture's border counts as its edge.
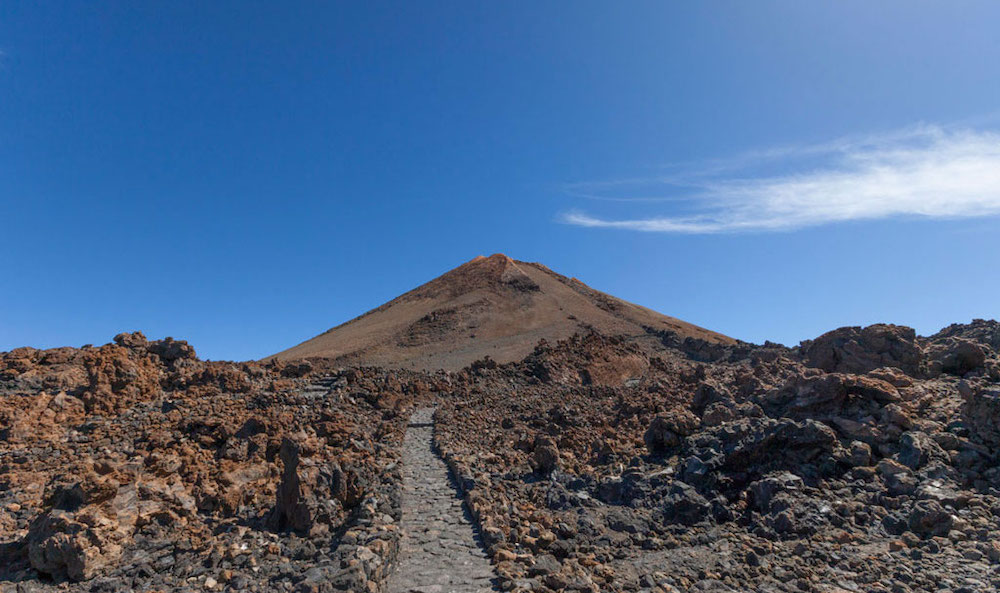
(927, 171)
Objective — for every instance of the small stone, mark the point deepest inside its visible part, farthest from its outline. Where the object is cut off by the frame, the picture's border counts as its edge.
(860, 454)
(928, 518)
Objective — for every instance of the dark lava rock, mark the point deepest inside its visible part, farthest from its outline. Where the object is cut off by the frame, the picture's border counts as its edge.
(859, 350)
(916, 449)
(929, 518)
(666, 431)
(683, 504)
(763, 491)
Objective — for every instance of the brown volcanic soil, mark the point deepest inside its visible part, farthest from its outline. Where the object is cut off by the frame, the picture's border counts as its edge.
(490, 306)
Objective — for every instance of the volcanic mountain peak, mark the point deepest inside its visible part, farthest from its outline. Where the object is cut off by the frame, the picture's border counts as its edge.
(489, 306)
(495, 273)
(496, 257)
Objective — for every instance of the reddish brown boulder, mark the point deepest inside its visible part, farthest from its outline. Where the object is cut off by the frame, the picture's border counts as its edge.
(118, 377)
(85, 530)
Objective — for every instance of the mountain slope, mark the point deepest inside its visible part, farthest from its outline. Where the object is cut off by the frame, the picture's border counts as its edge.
(493, 306)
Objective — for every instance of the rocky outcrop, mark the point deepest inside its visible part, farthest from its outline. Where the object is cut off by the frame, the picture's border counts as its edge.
(860, 350)
(956, 350)
(981, 411)
(956, 356)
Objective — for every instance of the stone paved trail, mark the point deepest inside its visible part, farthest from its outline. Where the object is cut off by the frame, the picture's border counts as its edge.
(440, 552)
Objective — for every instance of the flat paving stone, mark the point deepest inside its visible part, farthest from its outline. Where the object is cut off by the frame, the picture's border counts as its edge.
(439, 552)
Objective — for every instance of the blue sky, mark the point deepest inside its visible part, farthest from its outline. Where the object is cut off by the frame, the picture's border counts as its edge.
(245, 175)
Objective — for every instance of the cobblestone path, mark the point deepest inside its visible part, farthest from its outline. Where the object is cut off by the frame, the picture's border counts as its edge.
(440, 552)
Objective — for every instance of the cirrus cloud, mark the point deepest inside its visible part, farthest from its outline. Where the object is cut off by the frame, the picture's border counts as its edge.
(927, 171)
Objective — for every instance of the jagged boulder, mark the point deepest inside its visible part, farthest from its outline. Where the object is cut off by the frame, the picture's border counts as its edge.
(708, 393)
(132, 340)
(929, 518)
(668, 430)
(860, 454)
(683, 504)
(764, 490)
(916, 449)
(766, 445)
(859, 350)
(170, 349)
(314, 494)
(295, 369)
(84, 531)
(955, 356)
(828, 395)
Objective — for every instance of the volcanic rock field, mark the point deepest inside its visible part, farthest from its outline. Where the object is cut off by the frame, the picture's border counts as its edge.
(598, 447)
